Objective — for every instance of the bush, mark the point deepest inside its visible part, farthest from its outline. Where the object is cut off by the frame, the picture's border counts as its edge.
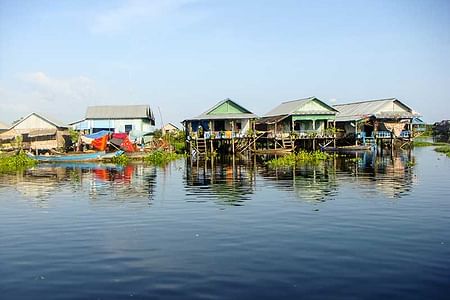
(16, 162)
(292, 159)
(160, 157)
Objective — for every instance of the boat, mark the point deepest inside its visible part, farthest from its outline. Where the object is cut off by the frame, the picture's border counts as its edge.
(94, 156)
(348, 148)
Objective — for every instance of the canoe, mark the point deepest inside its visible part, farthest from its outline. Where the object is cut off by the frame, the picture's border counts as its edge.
(76, 157)
(348, 148)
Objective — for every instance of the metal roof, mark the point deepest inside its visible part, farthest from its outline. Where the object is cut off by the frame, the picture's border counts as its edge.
(231, 116)
(371, 108)
(271, 120)
(289, 107)
(50, 120)
(119, 112)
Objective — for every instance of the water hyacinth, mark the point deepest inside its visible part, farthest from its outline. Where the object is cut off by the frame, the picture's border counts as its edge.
(443, 149)
(160, 157)
(122, 160)
(292, 159)
(16, 162)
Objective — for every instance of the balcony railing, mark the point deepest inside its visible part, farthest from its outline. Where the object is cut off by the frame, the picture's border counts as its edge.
(227, 134)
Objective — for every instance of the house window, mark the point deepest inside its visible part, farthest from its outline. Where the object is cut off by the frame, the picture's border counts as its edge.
(238, 126)
(128, 128)
(219, 125)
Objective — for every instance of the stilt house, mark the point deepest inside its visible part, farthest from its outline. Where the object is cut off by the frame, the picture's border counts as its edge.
(227, 126)
(303, 119)
(366, 121)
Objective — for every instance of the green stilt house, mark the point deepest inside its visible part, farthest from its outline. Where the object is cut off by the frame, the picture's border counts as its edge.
(308, 119)
(226, 126)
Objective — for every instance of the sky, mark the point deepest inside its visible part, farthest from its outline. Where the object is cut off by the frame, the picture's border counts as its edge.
(183, 56)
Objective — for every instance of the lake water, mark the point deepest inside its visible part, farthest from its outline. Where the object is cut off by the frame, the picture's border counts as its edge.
(367, 228)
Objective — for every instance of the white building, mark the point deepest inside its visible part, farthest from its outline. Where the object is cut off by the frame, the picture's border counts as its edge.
(136, 120)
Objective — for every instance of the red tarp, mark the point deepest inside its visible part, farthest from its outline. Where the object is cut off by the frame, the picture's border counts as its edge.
(120, 135)
(127, 145)
(100, 143)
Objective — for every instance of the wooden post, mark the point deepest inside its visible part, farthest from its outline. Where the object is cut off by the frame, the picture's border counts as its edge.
(275, 136)
(334, 133)
(212, 146)
(232, 137)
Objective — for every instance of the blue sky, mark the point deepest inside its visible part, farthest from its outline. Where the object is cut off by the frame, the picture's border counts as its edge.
(183, 56)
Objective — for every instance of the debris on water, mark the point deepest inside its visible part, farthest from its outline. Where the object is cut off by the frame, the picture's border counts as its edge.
(197, 235)
(316, 209)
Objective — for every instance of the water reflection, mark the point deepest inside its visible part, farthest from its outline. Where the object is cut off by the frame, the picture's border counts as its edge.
(371, 172)
(391, 175)
(227, 181)
(96, 180)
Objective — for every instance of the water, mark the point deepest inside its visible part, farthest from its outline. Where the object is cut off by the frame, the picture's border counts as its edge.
(367, 228)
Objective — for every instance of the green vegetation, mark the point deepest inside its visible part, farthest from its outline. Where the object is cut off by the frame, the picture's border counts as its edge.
(122, 160)
(419, 143)
(74, 135)
(16, 162)
(177, 140)
(443, 149)
(160, 157)
(293, 159)
(422, 144)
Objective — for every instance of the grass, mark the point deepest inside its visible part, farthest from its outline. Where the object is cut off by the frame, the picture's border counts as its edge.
(293, 159)
(443, 149)
(428, 144)
(20, 161)
(160, 157)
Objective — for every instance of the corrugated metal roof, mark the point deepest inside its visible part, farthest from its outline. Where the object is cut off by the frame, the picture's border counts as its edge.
(289, 107)
(271, 120)
(365, 109)
(207, 116)
(51, 120)
(119, 112)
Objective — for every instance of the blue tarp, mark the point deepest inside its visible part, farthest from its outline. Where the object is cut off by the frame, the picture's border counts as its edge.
(98, 135)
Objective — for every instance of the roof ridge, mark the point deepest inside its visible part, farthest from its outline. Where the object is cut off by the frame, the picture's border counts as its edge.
(301, 99)
(365, 101)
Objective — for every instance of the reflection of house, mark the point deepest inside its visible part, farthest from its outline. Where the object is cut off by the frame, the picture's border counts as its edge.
(225, 123)
(375, 119)
(308, 118)
(169, 128)
(37, 132)
(137, 120)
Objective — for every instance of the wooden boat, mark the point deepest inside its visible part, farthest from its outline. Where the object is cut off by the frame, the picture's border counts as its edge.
(348, 148)
(272, 151)
(95, 156)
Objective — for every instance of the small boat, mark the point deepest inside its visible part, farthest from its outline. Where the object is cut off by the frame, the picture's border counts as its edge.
(95, 156)
(348, 148)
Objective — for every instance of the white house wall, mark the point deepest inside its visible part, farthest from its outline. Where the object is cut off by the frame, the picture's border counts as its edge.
(34, 122)
(118, 125)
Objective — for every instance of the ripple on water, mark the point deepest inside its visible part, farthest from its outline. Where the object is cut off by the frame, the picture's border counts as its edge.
(369, 228)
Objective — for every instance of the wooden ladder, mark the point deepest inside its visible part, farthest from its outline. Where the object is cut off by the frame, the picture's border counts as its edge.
(288, 144)
(201, 146)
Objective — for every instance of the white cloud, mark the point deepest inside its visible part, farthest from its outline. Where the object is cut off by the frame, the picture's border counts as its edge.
(132, 12)
(63, 98)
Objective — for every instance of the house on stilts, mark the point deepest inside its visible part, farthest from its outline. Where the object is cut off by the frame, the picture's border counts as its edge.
(305, 123)
(384, 121)
(226, 127)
